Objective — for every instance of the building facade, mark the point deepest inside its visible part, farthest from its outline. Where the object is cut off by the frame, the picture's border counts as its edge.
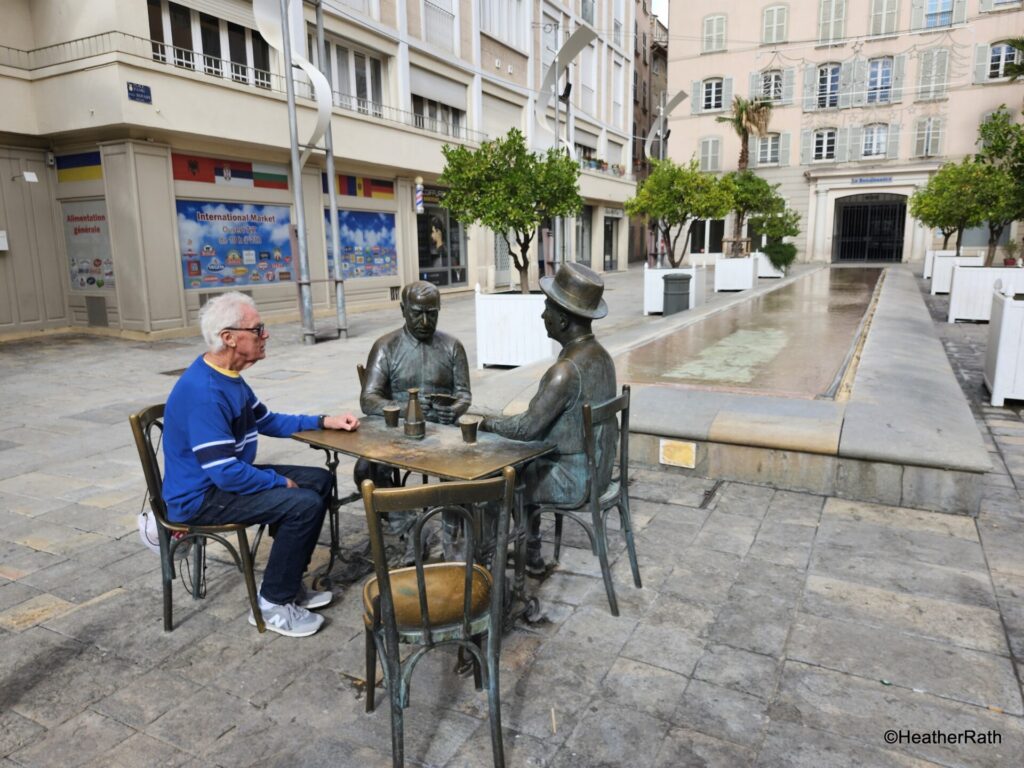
(144, 150)
(870, 98)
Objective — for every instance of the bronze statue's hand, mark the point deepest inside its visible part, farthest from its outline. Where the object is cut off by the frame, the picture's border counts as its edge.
(445, 413)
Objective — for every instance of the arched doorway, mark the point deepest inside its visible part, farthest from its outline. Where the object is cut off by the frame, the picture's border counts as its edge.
(869, 228)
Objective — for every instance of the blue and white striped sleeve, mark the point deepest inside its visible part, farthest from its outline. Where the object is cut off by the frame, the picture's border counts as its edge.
(278, 424)
(218, 454)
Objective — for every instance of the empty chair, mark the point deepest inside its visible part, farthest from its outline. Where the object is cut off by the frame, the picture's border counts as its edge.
(147, 427)
(592, 514)
(444, 604)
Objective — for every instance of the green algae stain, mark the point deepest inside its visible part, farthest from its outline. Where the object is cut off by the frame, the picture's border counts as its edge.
(735, 359)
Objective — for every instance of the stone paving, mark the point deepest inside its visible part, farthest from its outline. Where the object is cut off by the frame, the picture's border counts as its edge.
(774, 628)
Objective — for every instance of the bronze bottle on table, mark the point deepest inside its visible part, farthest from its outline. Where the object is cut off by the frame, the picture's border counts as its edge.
(415, 426)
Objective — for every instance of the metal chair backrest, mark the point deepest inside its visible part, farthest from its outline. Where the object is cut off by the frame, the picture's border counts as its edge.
(430, 501)
(147, 428)
(361, 373)
(593, 415)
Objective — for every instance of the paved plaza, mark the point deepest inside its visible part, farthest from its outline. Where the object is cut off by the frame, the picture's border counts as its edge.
(775, 628)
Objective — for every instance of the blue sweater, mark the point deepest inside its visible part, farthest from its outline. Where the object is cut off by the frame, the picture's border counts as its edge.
(210, 427)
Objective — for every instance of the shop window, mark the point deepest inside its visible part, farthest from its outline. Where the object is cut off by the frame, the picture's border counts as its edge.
(441, 246)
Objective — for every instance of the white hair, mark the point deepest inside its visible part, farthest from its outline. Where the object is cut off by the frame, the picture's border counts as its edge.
(225, 311)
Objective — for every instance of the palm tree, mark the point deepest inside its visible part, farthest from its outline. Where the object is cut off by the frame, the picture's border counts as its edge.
(749, 116)
(1016, 69)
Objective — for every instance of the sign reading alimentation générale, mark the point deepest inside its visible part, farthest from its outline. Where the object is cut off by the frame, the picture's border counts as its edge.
(233, 244)
(87, 238)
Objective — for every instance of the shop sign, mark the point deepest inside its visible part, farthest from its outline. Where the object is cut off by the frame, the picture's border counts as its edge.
(87, 238)
(872, 180)
(614, 213)
(367, 241)
(232, 245)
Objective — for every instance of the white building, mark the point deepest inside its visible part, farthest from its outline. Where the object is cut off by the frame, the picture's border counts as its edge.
(870, 98)
(144, 156)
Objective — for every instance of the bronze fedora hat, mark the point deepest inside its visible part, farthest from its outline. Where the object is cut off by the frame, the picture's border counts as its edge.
(578, 289)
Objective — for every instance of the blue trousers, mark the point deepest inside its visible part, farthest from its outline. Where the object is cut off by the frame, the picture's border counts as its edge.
(294, 517)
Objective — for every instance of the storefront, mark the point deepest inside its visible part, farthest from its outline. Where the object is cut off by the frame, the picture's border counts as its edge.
(441, 243)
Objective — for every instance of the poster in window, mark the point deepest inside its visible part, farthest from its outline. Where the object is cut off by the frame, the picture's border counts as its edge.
(367, 241)
(87, 237)
(234, 244)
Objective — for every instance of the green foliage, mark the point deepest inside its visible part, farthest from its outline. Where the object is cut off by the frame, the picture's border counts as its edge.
(674, 194)
(1015, 70)
(949, 201)
(751, 195)
(1001, 154)
(748, 116)
(505, 187)
(777, 221)
(781, 255)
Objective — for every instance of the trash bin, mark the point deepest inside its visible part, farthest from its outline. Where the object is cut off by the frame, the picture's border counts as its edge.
(677, 293)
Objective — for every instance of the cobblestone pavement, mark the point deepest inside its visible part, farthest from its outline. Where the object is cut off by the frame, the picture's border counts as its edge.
(774, 628)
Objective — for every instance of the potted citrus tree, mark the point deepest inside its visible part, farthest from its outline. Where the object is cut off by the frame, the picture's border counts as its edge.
(504, 186)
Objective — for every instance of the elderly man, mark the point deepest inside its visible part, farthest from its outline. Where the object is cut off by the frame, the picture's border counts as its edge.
(211, 423)
(583, 373)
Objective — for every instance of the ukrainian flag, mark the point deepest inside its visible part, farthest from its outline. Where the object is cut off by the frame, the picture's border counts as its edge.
(84, 166)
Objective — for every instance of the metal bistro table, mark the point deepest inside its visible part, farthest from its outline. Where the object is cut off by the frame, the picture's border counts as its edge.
(442, 454)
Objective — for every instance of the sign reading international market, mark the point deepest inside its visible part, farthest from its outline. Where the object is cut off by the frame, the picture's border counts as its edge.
(367, 242)
(230, 245)
(87, 237)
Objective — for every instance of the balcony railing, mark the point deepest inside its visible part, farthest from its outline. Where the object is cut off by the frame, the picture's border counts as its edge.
(439, 23)
(119, 44)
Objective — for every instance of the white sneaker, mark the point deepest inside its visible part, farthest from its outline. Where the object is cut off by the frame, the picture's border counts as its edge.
(290, 620)
(311, 600)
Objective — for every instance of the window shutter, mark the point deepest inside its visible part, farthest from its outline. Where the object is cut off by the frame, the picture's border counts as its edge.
(810, 84)
(917, 14)
(697, 97)
(767, 25)
(842, 144)
(726, 93)
(981, 61)
(839, 20)
(860, 82)
(752, 150)
(846, 84)
(824, 20)
(940, 72)
(926, 75)
(784, 149)
(920, 134)
(705, 152)
(806, 146)
(892, 145)
(788, 78)
(755, 85)
(715, 155)
(856, 142)
(899, 68)
(959, 11)
(935, 143)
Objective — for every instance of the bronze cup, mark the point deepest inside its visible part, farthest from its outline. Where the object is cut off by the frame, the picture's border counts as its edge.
(391, 415)
(468, 425)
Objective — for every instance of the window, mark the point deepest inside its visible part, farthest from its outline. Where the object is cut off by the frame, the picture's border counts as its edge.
(441, 244)
(714, 34)
(771, 85)
(618, 86)
(928, 137)
(938, 13)
(828, 86)
(879, 81)
(643, 46)
(883, 16)
(644, 104)
(437, 117)
(773, 25)
(209, 34)
(933, 74)
(506, 20)
(618, 14)
(550, 34)
(1000, 55)
(876, 137)
(825, 144)
(587, 11)
(831, 19)
(768, 149)
(156, 29)
(710, 154)
(181, 34)
(712, 95)
(636, 85)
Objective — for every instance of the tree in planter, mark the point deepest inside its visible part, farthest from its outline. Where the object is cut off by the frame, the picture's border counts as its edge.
(776, 222)
(1001, 201)
(949, 201)
(751, 195)
(1001, 151)
(509, 189)
(749, 117)
(673, 195)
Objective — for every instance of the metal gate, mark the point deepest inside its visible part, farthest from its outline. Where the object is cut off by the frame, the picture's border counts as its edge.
(869, 228)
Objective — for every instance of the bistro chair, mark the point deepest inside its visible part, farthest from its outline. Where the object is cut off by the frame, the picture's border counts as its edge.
(147, 427)
(592, 514)
(453, 604)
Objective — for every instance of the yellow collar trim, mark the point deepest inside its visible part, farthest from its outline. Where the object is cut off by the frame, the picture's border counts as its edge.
(225, 371)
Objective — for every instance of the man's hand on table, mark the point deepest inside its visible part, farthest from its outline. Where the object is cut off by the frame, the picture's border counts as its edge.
(445, 413)
(345, 422)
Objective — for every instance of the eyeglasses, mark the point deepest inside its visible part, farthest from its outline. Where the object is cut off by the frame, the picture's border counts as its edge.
(258, 329)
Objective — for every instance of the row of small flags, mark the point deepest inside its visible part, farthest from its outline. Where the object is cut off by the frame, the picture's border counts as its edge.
(86, 166)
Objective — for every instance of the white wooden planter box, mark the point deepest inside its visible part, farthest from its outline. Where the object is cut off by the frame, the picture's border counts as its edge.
(1004, 357)
(509, 329)
(929, 261)
(654, 287)
(942, 270)
(970, 295)
(765, 267)
(738, 274)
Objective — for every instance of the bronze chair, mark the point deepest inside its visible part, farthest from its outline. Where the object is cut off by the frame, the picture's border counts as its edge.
(598, 503)
(144, 424)
(439, 604)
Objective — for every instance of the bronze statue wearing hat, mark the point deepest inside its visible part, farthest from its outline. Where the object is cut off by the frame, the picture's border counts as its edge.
(583, 373)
